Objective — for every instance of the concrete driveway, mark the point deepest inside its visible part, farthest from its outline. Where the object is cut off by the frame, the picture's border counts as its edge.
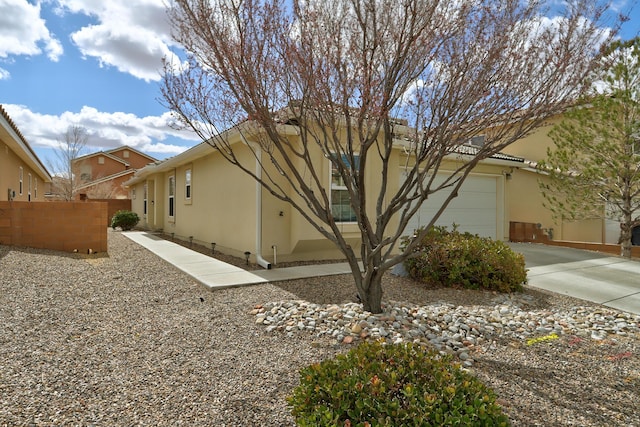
(592, 276)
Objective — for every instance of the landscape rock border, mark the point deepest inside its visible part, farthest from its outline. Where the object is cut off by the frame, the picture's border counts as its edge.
(458, 330)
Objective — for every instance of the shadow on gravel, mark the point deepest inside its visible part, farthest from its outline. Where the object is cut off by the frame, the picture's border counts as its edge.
(4, 250)
(340, 290)
(601, 403)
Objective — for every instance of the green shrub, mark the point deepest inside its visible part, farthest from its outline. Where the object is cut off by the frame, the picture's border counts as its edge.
(126, 220)
(451, 258)
(392, 385)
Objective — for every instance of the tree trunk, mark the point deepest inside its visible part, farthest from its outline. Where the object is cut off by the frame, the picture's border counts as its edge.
(626, 231)
(372, 297)
(625, 246)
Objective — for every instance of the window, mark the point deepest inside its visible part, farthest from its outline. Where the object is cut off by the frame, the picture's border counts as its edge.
(29, 187)
(101, 160)
(20, 177)
(340, 200)
(35, 188)
(85, 177)
(172, 191)
(144, 200)
(187, 184)
(477, 141)
(125, 154)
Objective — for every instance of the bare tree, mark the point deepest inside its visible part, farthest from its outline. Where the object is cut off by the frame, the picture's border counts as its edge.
(102, 190)
(348, 73)
(70, 146)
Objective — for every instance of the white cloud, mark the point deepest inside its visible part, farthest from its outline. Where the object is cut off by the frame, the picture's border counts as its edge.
(24, 32)
(151, 134)
(131, 35)
(4, 74)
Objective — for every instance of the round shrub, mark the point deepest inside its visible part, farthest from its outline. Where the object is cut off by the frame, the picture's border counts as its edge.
(126, 220)
(392, 385)
(451, 258)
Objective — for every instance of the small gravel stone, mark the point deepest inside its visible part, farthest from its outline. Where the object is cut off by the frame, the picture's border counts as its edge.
(127, 339)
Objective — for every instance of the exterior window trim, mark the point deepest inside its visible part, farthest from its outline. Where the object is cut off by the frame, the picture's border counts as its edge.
(337, 187)
(172, 197)
(145, 200)
(188, 177)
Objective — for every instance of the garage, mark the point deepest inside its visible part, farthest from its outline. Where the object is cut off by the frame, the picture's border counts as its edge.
(475, 210)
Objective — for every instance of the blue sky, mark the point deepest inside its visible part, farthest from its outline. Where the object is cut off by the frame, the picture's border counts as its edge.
(96, 63)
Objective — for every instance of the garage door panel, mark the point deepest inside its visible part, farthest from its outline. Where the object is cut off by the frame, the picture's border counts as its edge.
(474, 210)
(475, 201)
(463, 199)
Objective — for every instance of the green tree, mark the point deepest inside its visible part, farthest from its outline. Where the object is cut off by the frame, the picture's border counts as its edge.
(346, 75)
(594, 168)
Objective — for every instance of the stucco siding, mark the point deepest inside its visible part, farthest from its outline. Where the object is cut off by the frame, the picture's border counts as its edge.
(10, 164)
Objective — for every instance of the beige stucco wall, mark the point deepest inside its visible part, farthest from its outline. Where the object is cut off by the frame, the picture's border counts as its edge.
(223, 208)
(534, 146)
(525, 204)
(10, 165)
(525, 200)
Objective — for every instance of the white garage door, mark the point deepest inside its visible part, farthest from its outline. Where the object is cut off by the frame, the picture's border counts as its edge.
(474, 210)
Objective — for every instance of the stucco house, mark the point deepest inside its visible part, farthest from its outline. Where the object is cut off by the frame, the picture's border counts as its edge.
(23, 177)
(198, 195)
(102, 174)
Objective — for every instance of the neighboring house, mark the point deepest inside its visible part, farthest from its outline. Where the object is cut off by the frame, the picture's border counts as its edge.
(23, 177)
(198, 194)
(101, 175)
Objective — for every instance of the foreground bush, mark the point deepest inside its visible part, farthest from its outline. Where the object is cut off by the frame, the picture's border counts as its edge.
(451, 258)
(392, 385)
(126, 220)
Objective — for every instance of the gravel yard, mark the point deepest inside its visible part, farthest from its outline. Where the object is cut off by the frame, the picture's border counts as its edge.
(126, 339)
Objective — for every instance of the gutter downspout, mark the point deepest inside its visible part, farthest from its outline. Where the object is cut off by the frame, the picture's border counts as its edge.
(261, 261)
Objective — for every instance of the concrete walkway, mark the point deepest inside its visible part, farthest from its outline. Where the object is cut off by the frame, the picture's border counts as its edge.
(591, 276)
(216, 274)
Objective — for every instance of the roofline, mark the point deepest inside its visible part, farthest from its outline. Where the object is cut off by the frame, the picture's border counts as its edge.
(128, 147)
(15, 133)
(105, 179)
(204, 148)
(187, 156)
(101, 153)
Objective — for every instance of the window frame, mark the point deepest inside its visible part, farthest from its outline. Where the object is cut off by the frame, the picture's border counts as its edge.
(478, 140)
(172, 197)
(188, 186)
(29, 183)
(21, 180)
(145, 206)
(337, 187)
